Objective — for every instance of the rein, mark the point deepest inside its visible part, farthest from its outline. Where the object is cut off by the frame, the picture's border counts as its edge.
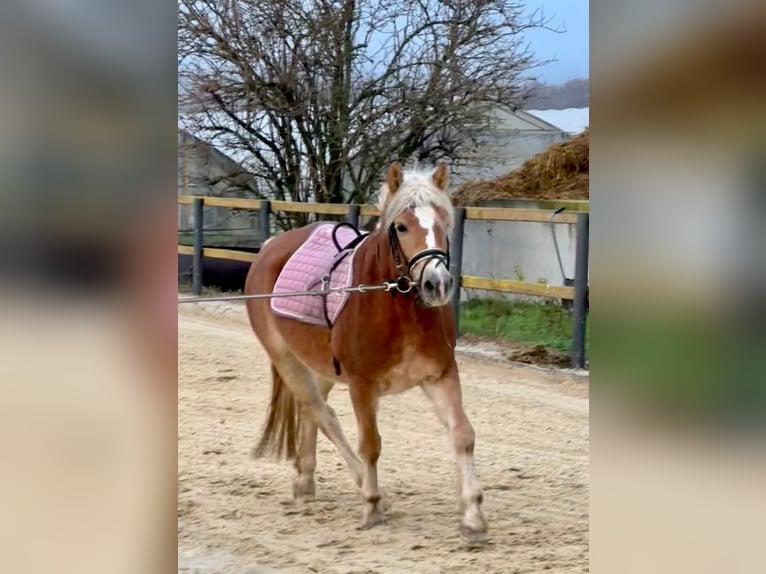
(386, 286)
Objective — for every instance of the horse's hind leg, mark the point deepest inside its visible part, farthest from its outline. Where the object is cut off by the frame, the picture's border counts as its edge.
(306, 460)
(446, 397)
(307, 392)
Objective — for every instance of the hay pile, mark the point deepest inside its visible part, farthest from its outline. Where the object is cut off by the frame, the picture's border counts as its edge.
(560, 172)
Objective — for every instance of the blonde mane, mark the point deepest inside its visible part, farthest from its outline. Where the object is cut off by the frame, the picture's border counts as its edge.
(417, 189)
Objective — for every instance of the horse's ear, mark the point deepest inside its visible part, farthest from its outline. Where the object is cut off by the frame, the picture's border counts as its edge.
(394, 177)
(441, 176)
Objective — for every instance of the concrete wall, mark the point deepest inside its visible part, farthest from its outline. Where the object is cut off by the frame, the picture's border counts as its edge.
(509, 249)
(522, 251)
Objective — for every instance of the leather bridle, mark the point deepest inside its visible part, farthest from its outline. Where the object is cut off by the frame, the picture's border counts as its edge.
(404, 280)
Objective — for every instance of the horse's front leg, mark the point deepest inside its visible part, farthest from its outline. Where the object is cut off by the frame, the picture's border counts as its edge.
(365, 401)
(446, 396)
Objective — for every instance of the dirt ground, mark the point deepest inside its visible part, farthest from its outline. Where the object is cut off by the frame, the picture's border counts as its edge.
(237, 515)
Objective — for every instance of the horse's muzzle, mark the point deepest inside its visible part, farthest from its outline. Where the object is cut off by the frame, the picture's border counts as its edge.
(436, 284)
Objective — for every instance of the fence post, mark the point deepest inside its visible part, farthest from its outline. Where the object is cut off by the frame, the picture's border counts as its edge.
(580, 315)
(197, 210)
(353, 215)
(265, 215)
(456, 263)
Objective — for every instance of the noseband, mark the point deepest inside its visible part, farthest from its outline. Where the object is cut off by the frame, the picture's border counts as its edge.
(404, 280)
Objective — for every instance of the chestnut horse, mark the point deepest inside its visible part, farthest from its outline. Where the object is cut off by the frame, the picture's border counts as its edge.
(383, 344)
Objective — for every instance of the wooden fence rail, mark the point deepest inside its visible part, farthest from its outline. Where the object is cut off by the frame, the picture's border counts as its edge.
(484, 213)
(578, 293)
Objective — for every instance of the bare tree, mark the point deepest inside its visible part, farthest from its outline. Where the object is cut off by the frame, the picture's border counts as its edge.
(314, 97)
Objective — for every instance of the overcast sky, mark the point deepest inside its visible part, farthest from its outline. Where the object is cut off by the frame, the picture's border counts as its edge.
(570, 48)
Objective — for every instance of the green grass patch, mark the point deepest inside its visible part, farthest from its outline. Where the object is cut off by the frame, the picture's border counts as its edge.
(531, 323)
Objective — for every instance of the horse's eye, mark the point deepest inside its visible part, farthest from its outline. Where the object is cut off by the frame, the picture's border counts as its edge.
(401, 228)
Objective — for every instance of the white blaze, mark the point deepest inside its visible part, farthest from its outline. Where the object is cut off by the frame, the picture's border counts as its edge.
(427, 218)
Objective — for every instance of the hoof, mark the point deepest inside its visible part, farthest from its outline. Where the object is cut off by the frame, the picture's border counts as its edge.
(303, 487)
(472, 535)
(385, 503)
(377, 518)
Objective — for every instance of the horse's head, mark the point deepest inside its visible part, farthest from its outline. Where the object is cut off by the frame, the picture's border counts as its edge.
(418, 215)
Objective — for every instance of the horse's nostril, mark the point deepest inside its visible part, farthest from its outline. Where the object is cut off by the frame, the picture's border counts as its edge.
(429, 286)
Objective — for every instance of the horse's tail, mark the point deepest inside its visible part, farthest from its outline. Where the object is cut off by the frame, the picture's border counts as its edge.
(280, 434)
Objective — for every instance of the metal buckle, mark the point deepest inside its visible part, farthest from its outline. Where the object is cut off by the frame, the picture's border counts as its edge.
(404, 284)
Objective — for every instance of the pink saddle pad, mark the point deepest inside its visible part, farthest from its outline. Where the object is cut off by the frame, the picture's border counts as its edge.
(305, 270)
